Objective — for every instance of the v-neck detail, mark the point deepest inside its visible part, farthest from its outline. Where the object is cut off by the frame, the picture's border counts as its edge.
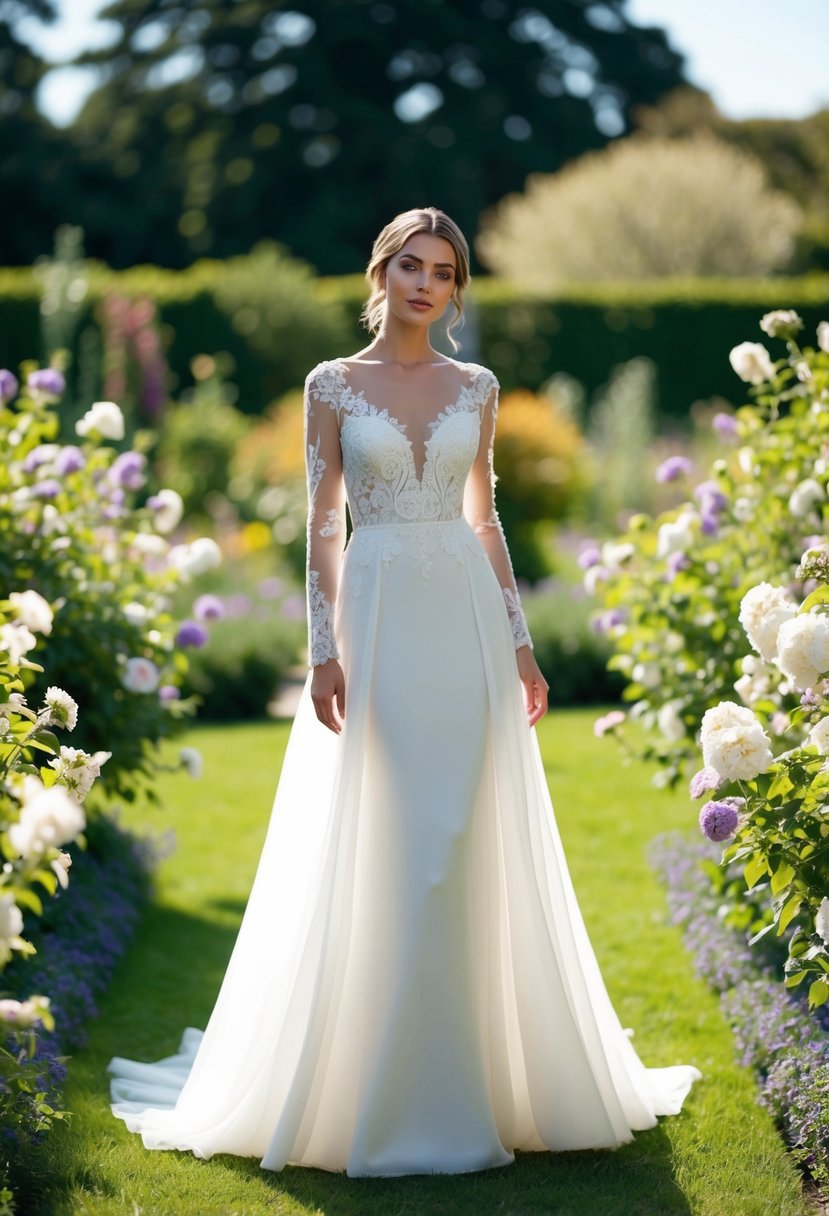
(403, 429)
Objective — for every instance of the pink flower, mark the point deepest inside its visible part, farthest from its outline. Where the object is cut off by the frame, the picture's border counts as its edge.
(607, 723)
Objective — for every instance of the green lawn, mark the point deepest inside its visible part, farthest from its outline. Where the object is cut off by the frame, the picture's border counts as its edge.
(720, 1157)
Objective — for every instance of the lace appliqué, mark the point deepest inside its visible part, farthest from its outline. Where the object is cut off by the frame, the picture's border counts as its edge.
(321, 643)
(333, 523)
(517, 620)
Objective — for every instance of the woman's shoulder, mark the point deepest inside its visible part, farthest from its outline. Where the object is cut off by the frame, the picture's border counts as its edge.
(325, 381)
(482, 381)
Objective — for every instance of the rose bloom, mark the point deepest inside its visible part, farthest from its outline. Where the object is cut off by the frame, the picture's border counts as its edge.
(608, 722)
(805, 496)
(49, 817)
(704, 781)
(822, 920)
(140, 675)
(105, 417)
(752, 362)
(803, 649)
(763, 610)
(819, 736)
(823, 335)
(733, 742)
(782, 323)
(33, 610)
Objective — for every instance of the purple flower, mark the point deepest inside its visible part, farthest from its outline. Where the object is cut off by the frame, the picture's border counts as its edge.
(718, 820)
(168, 692)
(675, 562)
(128, 470)
(271, 588)
(191, 633)
(706, 779)
(725, 425)
(607, 620)
(8, 385)
(672, 468)
(237, 605)
(69, 460)
(38, 456)
(709, 521)
(209, 608)
(48, 382)
(50, 488)
(809, 699)
(589, 556)
(710, 496)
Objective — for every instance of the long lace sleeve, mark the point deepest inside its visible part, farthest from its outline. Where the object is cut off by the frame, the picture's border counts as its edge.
(480, 512)
(326, 512)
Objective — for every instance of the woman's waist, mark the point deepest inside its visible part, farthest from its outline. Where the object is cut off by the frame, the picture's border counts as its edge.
(457, 521)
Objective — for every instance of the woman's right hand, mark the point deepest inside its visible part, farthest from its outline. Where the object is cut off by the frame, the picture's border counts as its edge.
(328, 688)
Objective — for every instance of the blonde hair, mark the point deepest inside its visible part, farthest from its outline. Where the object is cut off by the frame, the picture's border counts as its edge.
(392, 239)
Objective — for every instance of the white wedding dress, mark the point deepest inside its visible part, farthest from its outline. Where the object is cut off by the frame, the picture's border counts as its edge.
(412, 989)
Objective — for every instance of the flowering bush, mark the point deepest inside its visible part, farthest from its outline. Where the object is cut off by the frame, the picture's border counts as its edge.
(672, 588)
(103, 568)
(778, 820)
(776, 1033)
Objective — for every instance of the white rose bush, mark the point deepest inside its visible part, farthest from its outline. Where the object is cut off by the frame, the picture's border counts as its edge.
(720, 622)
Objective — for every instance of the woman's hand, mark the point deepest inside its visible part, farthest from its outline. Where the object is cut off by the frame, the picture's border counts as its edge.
(328, 687)
(534, 684)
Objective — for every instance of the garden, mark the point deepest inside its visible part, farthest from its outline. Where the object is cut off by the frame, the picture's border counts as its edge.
(662, 452)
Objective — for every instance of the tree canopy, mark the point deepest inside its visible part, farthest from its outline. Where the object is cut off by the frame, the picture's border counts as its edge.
(216, 125)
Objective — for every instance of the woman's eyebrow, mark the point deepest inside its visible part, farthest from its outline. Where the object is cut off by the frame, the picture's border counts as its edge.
(415, 258)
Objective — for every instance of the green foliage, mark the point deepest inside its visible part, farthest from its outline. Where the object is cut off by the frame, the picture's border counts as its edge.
(572, 656)
(238, 672)
(621, 428)
(679, 579)
(643, 208)
(72, 535)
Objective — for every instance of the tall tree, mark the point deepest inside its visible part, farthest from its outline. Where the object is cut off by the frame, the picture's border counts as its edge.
(33, 153)
(224, 122)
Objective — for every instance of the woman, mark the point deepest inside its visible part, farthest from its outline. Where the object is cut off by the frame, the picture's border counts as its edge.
(412, 989)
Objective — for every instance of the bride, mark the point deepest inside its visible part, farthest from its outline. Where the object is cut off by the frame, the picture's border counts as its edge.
(412, 989)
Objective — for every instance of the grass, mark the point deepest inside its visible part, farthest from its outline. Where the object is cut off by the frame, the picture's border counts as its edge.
(720, 1157)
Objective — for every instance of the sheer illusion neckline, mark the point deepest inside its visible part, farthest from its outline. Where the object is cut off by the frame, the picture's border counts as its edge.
(402, 427)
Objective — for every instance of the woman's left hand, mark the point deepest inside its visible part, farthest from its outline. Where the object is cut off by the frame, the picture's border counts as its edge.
(534, 685)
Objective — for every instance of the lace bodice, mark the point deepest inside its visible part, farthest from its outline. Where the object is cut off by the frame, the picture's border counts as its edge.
(359, 452)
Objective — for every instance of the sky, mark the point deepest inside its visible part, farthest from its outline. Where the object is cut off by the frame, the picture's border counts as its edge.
(758, 58)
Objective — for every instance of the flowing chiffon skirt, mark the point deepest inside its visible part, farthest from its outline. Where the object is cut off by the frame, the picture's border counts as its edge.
(412, 989)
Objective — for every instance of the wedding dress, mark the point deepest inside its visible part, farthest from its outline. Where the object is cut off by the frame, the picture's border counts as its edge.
(412, 989)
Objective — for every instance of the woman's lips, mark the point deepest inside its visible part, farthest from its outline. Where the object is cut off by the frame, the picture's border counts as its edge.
(421, 304)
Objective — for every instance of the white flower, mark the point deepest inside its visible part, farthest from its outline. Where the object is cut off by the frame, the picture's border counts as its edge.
(615, 554)
(17, 640)
(677, 535)
(822, 918)
(823, 335)
(48, 818)
(745, 459)
(733, 742)
(60, 865)
(196, 558)
(140, 675)
(819, 736)
(669, 721)
(782, 323)
(752, 362)
(4, 725)
(77, 770)
(150, 544)
(11, 924)
(743, 509)
(105, 417)
(805, 496)
(135, 613)
(647, 674)
(32, 610)
(803, 649)
(168, 509)
(63, 710)
(191, 759)
(594, 575)
(23, 1014)
(763, 610)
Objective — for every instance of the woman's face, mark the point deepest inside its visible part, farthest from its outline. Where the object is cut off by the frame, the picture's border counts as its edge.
(424, 269)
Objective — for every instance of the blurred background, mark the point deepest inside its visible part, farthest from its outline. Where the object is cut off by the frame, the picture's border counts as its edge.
(192, 191)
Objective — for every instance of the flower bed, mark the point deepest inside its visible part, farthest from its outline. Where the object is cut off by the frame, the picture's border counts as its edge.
(775, 1031)
(79, 939)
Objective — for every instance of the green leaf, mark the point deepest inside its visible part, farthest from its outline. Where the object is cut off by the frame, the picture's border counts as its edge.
(754, 871)
(819, 596)
(789, 909)
(818, 993)
(781, 877)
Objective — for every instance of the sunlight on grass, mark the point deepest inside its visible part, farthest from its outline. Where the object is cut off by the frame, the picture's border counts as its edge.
(720, 1157)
